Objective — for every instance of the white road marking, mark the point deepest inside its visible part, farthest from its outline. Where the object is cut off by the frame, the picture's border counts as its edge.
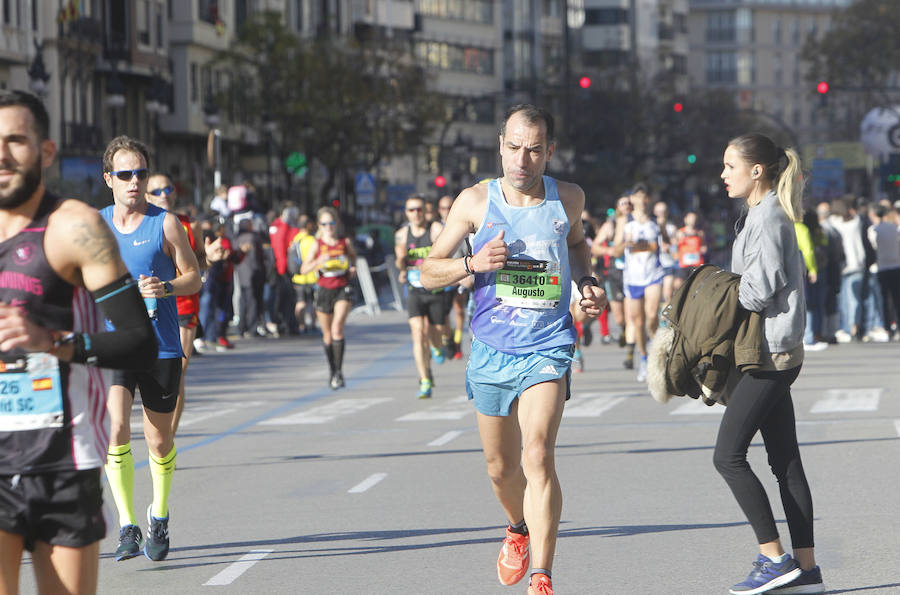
(198, 414)
(442, 440)
(897, 426)
(233, 571)
(697, 407)
(840, 400)
(367, 483)
(591, 404)
(326, 413)
(456, 408)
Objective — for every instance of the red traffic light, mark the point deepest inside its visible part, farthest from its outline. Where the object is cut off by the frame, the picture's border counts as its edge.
(677, 107)
(440, 181)
(336, 203)
(584, 82)
(822, 87)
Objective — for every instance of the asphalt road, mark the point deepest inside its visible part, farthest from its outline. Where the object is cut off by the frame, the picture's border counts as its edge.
(284, 486)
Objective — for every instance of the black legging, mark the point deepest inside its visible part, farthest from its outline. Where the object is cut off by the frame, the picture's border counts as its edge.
(761, 401)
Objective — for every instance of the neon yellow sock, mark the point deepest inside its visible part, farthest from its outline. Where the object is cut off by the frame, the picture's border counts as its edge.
(457, 336)
(161, 474)
(120, 474)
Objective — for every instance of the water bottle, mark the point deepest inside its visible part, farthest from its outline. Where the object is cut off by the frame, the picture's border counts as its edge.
(150, 303)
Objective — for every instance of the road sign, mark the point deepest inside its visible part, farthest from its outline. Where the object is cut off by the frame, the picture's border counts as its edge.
(296, 164)
(365, 189)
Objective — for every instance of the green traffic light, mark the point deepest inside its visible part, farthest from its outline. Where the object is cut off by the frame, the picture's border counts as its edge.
(692, 158)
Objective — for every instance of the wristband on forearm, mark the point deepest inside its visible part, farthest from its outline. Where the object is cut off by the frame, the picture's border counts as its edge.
(587, 280)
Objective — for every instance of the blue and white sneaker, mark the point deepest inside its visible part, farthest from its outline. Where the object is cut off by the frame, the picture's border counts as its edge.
(809, 582)
(438, 355)
(156, 546)
(767, 575)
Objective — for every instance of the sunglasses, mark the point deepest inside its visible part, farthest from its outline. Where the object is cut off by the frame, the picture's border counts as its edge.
(166, 190)
(327, 223)
(126, 174)
(414, 210)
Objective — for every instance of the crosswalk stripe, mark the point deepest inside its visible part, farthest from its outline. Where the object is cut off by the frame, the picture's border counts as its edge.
(456, 408)
(840, 400)
(697, 407)
(897, 426)
(233, 571)
(367, 483)
(592, 404)
(194, 415)
(326, 413)
(445, 438)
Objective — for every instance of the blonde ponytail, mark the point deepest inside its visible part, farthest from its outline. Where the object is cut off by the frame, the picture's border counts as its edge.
(789, 187)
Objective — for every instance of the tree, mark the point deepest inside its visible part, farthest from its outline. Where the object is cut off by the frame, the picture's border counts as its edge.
(344, 103)
(860, 53)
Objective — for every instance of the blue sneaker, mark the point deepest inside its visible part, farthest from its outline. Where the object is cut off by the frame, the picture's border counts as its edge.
(766, 575)
(809, 581)
(129, 542)
(438, 355)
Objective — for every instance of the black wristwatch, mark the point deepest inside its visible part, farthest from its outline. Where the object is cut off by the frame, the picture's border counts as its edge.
(587, 280)
(169, 289)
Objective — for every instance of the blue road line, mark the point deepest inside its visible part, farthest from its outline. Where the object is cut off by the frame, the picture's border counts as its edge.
(379, 368)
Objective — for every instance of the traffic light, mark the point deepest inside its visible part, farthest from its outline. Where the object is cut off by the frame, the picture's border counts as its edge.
(584, 82)
(440, 181)
(336, 203)
(822, 89)
(678, 107)
(692, 159)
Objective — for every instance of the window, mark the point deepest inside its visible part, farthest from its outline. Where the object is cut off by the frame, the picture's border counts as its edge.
(720, 25)
(194, 92)
(160, 43)
(445, 56)
(208, 10)
(476, 11)
(34, 15)
(776, 31)
(298, 15)
(777, 69)
(606, 16)
(795, 32)
(721, 67)
(746, 65)
(551, 8)
(143, 22)
(7, 11)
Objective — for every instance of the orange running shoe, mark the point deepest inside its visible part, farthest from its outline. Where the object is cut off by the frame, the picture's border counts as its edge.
(513, 561)
(540, 585)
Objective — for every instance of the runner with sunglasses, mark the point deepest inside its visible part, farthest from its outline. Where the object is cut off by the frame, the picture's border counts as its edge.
(161, 192)
(155, 247)
(428, 309)
(334, 259)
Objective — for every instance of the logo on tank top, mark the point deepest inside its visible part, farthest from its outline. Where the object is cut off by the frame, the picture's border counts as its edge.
(23, 253)
(559, 226)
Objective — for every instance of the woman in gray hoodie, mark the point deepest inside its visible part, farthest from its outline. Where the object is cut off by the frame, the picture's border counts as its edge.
(766, 255)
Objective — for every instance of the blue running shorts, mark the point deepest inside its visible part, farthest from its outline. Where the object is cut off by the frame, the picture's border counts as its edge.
(495, 379)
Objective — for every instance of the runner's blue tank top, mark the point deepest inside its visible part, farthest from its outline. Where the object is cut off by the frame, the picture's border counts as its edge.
(144, 253)
(524, 307)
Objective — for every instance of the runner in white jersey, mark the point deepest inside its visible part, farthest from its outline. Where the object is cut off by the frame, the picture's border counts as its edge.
(639, 241)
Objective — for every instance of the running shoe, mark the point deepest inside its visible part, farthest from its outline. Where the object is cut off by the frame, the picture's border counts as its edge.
(458, 354)
(540, 584)
(337, 381)
(642, 370)
(437, 354)
(129, 542)
(513, 561)
(223, 344)
(629, 362)
(766, 575)
(156, 546)
(606, 339)
(577, 361)
(425, 388)
(809, 581)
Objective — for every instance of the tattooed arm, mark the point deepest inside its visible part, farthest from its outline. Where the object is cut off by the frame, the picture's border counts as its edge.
(81, 247)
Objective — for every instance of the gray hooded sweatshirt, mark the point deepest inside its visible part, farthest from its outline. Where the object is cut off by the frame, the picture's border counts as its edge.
(766, 256)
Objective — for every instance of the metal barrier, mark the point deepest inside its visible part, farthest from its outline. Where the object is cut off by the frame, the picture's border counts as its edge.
(364, 272)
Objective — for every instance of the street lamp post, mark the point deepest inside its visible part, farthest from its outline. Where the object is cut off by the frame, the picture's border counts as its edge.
(37, 72)
(211, 118)
(156, 105)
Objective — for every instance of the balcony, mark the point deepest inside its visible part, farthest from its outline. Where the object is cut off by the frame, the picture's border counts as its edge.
(83, 137)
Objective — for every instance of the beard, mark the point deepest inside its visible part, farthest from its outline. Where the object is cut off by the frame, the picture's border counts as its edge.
(12, 197)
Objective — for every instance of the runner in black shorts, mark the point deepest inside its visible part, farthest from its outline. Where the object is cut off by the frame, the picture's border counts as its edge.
(66, 263)
(155, 247)
(428, 310)
(334, 259)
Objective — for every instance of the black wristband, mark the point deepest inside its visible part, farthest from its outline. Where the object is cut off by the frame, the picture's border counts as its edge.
(587, 280)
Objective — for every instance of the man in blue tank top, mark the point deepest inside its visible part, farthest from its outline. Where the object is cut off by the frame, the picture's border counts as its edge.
(154, 245)
(528, 247)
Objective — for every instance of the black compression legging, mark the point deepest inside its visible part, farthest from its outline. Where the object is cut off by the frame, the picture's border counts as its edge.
(761, 401)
